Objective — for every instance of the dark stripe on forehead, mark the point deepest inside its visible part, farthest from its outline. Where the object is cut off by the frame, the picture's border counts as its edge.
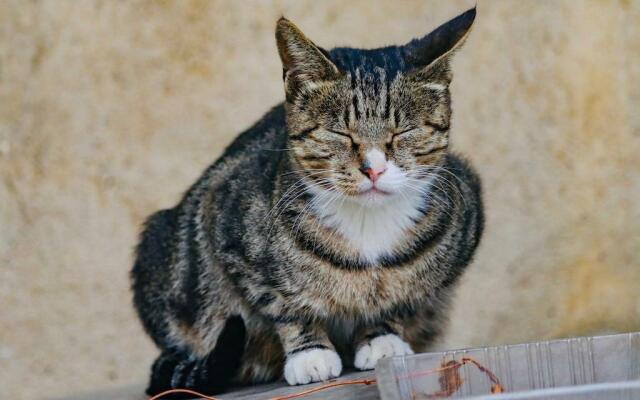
(387, 101)
(396, 117)
(370, 75)
(374, 82)
(345, 117)
(354, 103)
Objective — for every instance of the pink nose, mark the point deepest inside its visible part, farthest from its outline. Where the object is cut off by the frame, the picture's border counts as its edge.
(372, 173)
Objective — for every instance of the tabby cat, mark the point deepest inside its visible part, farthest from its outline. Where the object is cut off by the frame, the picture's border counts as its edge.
(329, 234)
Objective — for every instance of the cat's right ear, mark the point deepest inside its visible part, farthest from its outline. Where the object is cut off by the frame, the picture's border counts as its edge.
(430, 55)
(304, 64)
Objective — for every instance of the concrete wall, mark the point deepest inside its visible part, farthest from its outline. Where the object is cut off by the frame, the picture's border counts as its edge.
(109, 110)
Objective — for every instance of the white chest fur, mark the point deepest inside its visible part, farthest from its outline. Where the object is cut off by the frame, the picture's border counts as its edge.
(373, 230)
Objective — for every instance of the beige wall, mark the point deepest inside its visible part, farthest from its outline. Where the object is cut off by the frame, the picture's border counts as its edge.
(109, 110)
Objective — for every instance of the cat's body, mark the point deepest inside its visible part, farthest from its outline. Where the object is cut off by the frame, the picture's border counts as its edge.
(264, 266)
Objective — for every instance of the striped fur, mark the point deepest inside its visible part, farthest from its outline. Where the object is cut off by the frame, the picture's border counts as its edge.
(355, 228)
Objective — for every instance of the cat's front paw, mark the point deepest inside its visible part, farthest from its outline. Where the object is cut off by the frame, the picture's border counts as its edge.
(382, 346)
(313, 365)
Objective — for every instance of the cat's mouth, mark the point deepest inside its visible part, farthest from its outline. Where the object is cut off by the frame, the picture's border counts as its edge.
(374, 191)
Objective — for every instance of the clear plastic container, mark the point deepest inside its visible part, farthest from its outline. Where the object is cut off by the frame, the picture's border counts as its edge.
(600, 367)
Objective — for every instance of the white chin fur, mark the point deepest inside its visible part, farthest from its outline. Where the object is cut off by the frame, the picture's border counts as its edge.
(313, 365)
(374, 223)
(383, 346)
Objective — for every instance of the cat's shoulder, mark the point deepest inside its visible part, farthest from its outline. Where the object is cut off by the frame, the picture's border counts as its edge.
(271, 127)
(460, 165)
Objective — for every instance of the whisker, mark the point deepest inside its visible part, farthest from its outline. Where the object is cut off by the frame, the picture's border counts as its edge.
(433, 171)
(437, 184)
(296, 191)
(306, 209)
(432, 197)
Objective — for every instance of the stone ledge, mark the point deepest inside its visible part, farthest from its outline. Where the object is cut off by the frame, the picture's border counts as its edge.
(260, 392)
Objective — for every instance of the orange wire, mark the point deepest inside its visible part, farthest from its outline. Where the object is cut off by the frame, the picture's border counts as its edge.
(324, 387)
(285, 397)
(464, 360)
(186, 391)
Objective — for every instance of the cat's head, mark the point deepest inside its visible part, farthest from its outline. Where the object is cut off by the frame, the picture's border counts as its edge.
(369, 124)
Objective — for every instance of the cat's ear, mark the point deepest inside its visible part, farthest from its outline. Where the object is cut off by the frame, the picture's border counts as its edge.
(304, 64)
(430, 55)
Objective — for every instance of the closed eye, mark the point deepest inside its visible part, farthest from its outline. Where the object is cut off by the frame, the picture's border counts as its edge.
(340, 133)
(354, 144)
(410, 130)
(428, 125)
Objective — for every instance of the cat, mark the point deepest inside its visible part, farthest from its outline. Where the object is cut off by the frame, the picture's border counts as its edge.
(329, 234)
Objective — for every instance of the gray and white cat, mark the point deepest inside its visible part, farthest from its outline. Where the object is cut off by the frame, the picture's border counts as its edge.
(338, 250)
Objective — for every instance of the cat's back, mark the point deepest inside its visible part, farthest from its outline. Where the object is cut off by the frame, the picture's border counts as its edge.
(249, 163)
(263, 142)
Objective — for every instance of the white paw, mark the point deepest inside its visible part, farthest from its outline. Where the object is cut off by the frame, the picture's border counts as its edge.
(382, 346)
(312, 366)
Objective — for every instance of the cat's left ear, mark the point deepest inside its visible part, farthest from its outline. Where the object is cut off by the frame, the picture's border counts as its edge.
(304, 64)
(429, 56)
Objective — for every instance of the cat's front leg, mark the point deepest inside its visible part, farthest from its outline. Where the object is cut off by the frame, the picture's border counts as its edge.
(376, 342)
(310, 355)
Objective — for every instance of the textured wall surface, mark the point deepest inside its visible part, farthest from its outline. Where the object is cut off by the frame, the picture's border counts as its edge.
(109, 110)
